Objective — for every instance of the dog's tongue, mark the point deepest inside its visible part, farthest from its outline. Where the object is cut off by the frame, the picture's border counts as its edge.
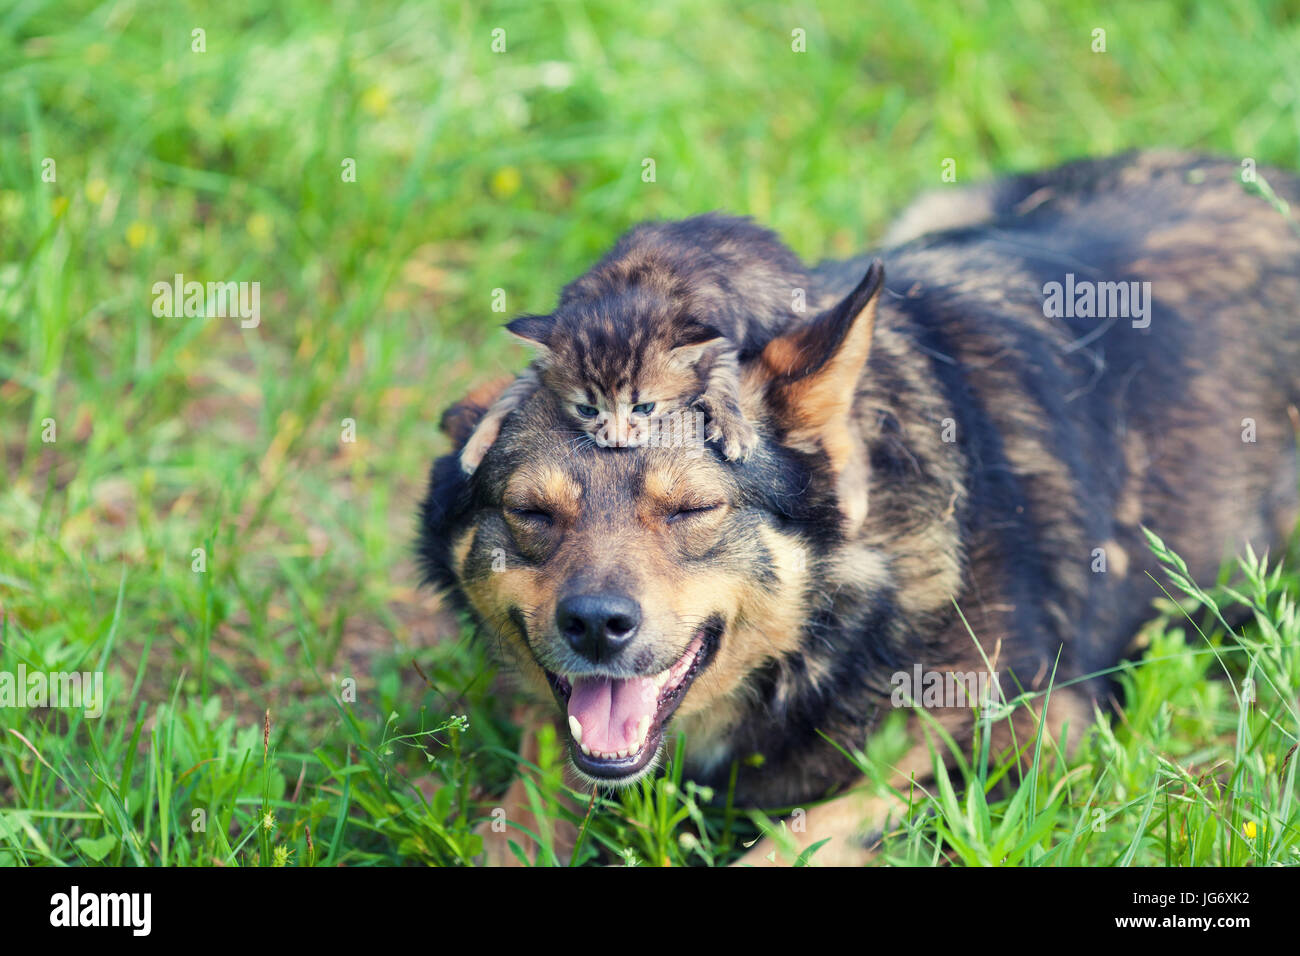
(611, 710)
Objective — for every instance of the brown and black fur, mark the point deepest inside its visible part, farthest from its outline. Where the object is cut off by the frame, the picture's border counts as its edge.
(844, 546)
(665, 318)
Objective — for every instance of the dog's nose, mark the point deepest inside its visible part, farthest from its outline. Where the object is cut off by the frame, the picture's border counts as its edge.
(598, 626)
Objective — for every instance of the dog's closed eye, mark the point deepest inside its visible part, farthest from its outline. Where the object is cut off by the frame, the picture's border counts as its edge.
(692, 511)
(532, 515)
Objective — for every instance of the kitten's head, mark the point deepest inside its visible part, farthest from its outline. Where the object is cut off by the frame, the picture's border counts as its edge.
(635, 336)
(619, 363)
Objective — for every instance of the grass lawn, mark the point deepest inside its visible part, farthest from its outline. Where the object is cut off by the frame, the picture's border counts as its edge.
(220, 518)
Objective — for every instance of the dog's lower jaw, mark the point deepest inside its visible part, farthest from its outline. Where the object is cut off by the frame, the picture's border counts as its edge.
(650, 767)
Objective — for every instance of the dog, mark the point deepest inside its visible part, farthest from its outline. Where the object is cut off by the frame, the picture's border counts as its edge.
(960, 447)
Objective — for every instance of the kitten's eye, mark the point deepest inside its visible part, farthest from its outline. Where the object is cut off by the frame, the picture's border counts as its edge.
(684, 514)
(645, 408)
(587, 411)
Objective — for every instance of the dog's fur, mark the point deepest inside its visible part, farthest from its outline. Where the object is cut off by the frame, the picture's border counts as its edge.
(931, 446)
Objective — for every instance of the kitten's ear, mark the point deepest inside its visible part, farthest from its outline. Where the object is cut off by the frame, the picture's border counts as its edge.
(809, 376)
(459, 421)
(534, 329)
(691, 341)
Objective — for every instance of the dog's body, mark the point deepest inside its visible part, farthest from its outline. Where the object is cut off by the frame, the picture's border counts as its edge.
(941, 463)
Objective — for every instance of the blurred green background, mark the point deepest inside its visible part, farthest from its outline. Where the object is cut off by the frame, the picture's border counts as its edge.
(476, 169)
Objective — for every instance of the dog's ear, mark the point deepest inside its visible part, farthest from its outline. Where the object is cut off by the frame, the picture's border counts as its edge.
(459, 421)
(810, 374)
(809, 377)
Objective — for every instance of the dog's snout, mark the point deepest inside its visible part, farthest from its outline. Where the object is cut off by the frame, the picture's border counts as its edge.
(598, 626)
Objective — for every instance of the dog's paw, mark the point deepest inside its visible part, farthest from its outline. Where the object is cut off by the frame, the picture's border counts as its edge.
(762, 853)
(496, 846)
(497, 850)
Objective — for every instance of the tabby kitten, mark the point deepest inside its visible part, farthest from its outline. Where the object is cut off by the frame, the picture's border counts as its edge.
(657, 329)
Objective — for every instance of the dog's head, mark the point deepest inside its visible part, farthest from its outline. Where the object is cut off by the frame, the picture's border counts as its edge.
(641, 584)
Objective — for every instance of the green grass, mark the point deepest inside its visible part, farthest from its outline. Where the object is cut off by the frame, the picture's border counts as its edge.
(479, 171)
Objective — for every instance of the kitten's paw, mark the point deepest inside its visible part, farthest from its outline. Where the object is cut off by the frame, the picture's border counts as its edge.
(471, 456)
(738, 438)
(742, 444)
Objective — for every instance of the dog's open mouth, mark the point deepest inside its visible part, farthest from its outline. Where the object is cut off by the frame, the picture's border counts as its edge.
(616, 723)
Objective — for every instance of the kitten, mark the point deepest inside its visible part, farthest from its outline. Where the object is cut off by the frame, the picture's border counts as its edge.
(658, 328)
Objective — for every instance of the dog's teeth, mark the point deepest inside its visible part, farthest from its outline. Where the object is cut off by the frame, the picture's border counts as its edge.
(585, 748)
(621, 753)
(575, 728)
